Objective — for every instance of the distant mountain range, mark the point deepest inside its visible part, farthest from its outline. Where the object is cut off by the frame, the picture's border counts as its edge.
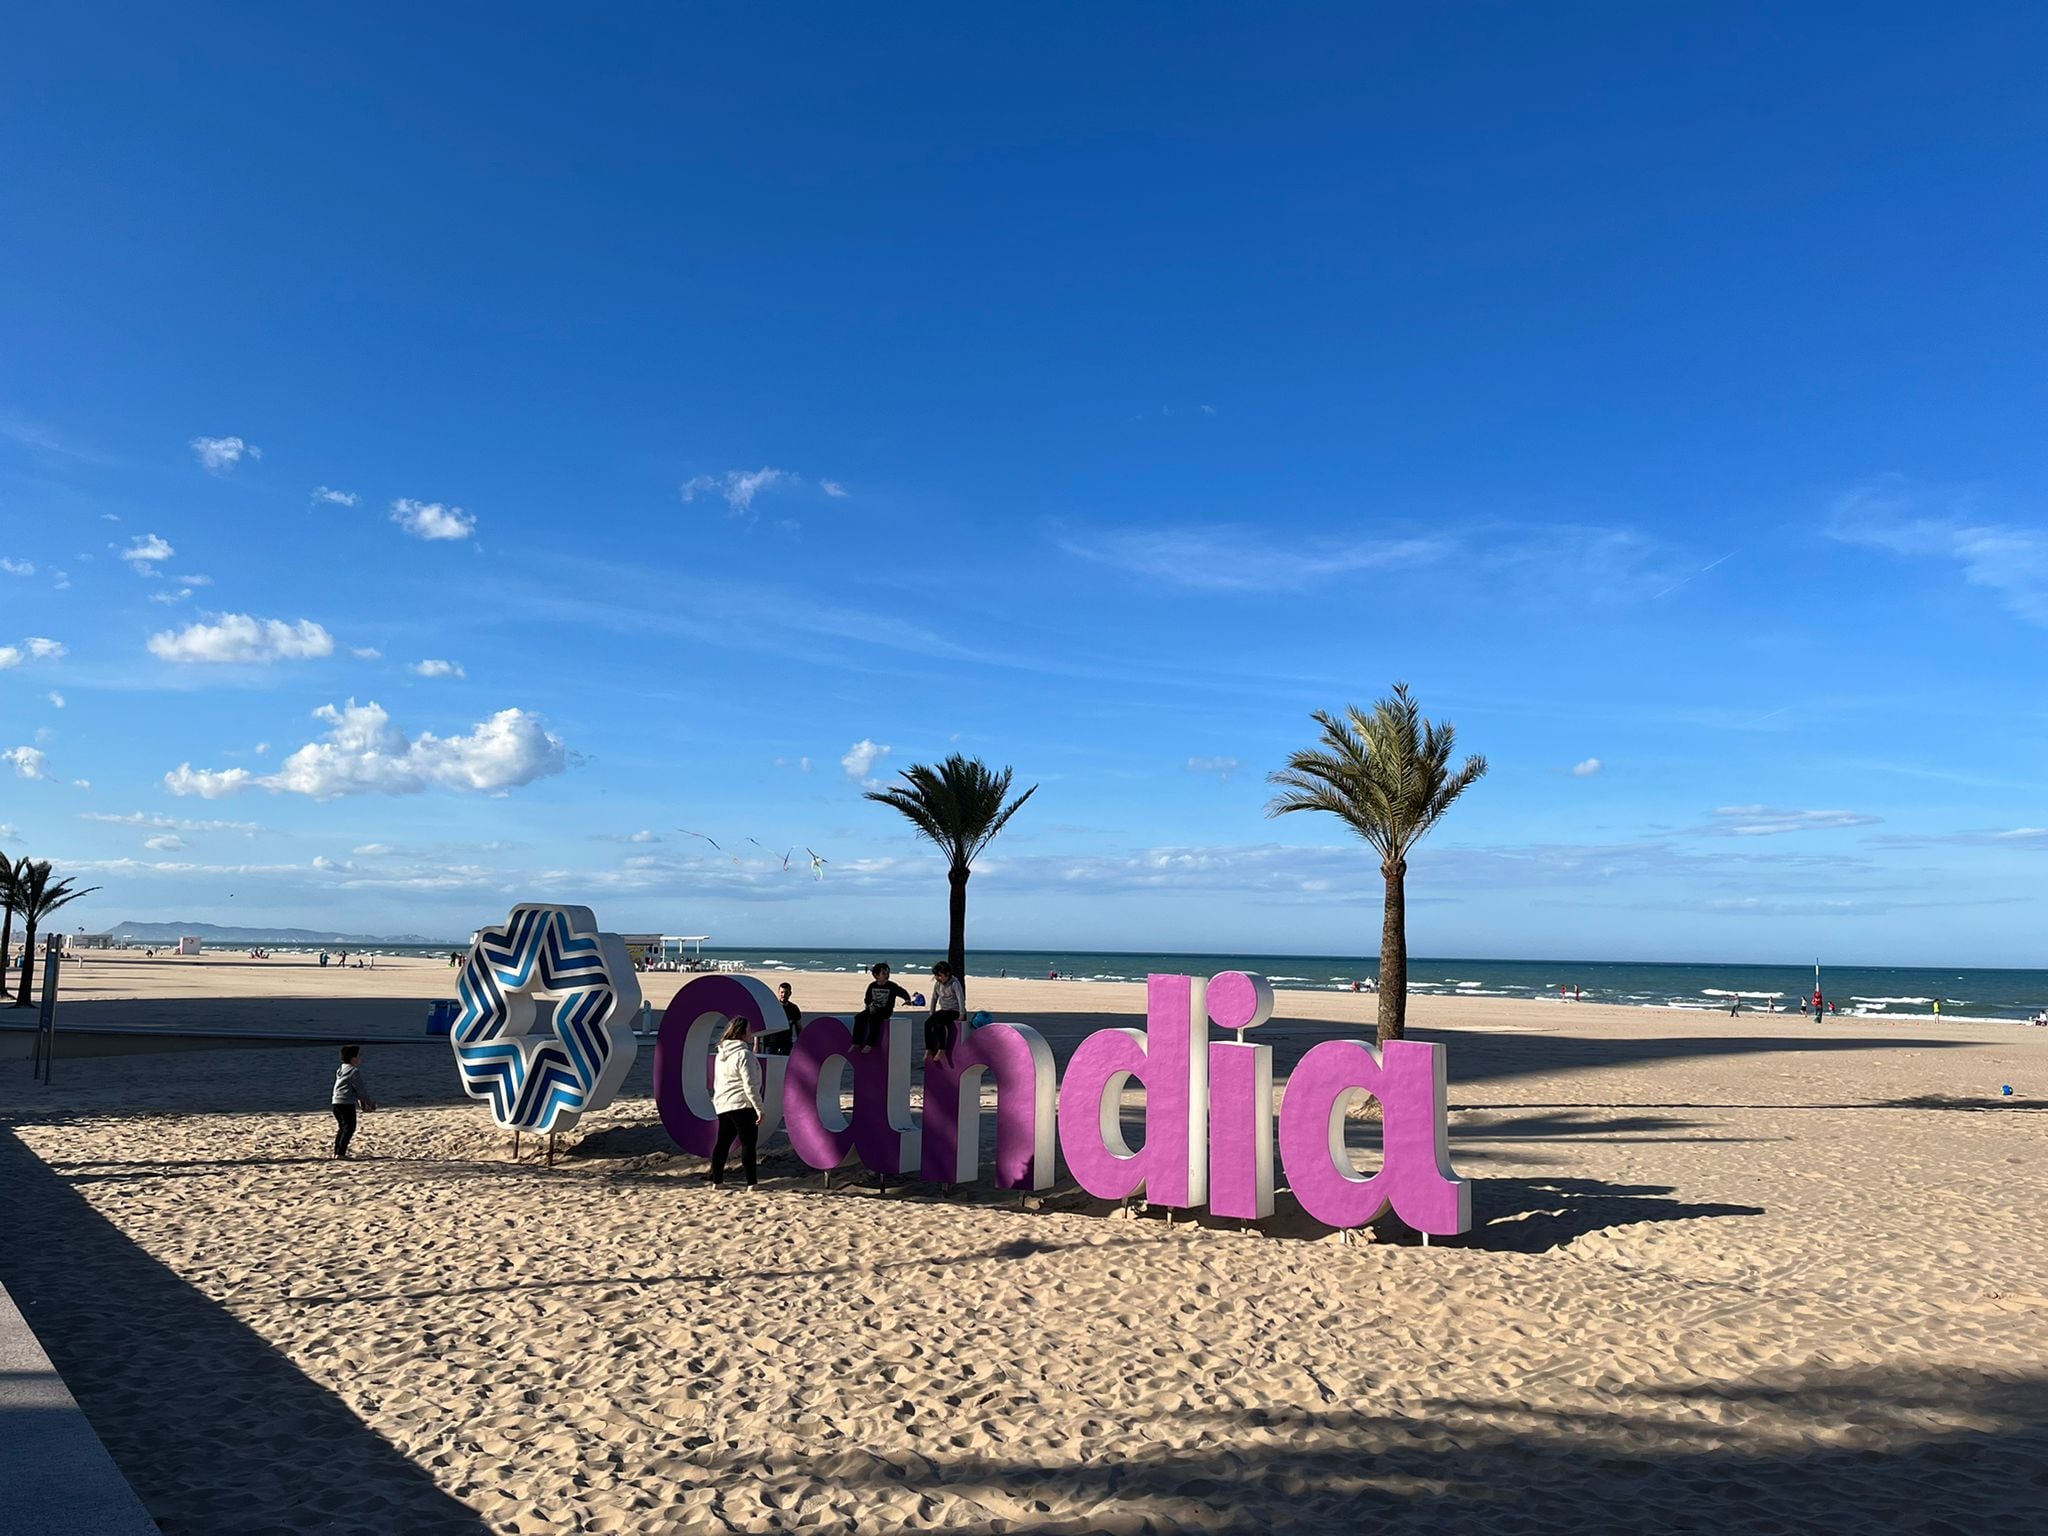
(213, 933)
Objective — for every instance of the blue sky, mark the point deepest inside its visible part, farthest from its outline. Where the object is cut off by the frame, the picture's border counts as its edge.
(722, 395)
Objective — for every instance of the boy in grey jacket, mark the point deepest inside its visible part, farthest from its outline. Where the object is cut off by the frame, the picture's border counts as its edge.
(348, 1096)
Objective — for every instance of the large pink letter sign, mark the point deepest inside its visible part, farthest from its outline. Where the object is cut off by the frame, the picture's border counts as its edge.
(696, 1016)
(1171, 1058)
(1021, 1062)
(1240, 1100)
(1208, 1106)
(1415, 1176)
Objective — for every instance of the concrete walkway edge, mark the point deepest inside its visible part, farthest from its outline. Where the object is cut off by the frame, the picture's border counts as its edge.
(58, 1480)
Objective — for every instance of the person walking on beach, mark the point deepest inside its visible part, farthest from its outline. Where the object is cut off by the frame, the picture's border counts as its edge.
(876, 1006)
(736, 1097)
(949, 1006)
(348, 1098)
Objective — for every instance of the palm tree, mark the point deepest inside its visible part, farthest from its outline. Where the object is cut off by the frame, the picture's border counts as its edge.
(1387, 775)
(8, 869)
(957, 806)
(36, 896)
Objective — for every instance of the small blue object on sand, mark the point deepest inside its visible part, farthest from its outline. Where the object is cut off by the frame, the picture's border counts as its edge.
(2007, 1090)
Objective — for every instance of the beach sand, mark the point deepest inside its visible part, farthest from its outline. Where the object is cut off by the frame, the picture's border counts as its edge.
(1757, 1273)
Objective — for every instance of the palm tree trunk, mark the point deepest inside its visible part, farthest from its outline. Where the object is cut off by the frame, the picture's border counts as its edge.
(6, 943)
(1394, 955)
(28, 966)
(956, 924)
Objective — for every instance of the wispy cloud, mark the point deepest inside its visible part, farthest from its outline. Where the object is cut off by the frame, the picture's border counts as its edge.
(28, 762)
(432, 520)
(434, 668)
(168, 823)
(1222, 767)
(738, 487)
(1233, 559)
(833, 489)
(2007, 559)
(17, 567)
(335, 498)
(1770, 821)
(220, 454)
(1586, 769)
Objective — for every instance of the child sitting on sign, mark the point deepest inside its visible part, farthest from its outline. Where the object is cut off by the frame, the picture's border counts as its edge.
(877, 1005)
(949, 1003)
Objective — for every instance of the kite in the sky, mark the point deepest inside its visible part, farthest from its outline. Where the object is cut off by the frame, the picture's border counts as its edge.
(770, 851)
(709, 839)
(817, 865)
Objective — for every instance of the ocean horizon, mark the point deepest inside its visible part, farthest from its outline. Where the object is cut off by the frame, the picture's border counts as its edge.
(1998, 994)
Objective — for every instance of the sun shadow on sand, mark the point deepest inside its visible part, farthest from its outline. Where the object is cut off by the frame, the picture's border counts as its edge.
(1536, 1215)
(197, 1410)
(1878, 1450)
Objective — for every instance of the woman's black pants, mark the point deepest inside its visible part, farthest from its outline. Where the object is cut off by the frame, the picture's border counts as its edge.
(744, 1126)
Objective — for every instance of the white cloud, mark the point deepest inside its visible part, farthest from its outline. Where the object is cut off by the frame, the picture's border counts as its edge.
(169, 597)
(56, 699)
(262, 749)
(371, 850)
(1769, 821)
(164, 842)
(194, 581)
(432, 520)
(336, 498)
(2004, 558)
(1222, 767)
(833, 489)
(17, 567)
(432, 668)
(223, 453)
(43, 648)
(643, 836)
(10, 656)
(1242, 559)
(1588, 768)
(804, 763)
(167, 823)
(147, 553)
(207, 783)
(364, 753)
(861, 758)
(366, 653)
(61, 581)
(236, 637)
(81, 783)
(28, 762)
(738, 487)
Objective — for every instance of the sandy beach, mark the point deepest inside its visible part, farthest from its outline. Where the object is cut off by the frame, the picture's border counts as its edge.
(1755, 1273)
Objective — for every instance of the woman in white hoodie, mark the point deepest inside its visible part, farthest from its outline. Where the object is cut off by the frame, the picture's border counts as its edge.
(736, 1096)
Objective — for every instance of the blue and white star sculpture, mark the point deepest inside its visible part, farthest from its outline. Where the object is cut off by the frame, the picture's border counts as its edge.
(545, 1079)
